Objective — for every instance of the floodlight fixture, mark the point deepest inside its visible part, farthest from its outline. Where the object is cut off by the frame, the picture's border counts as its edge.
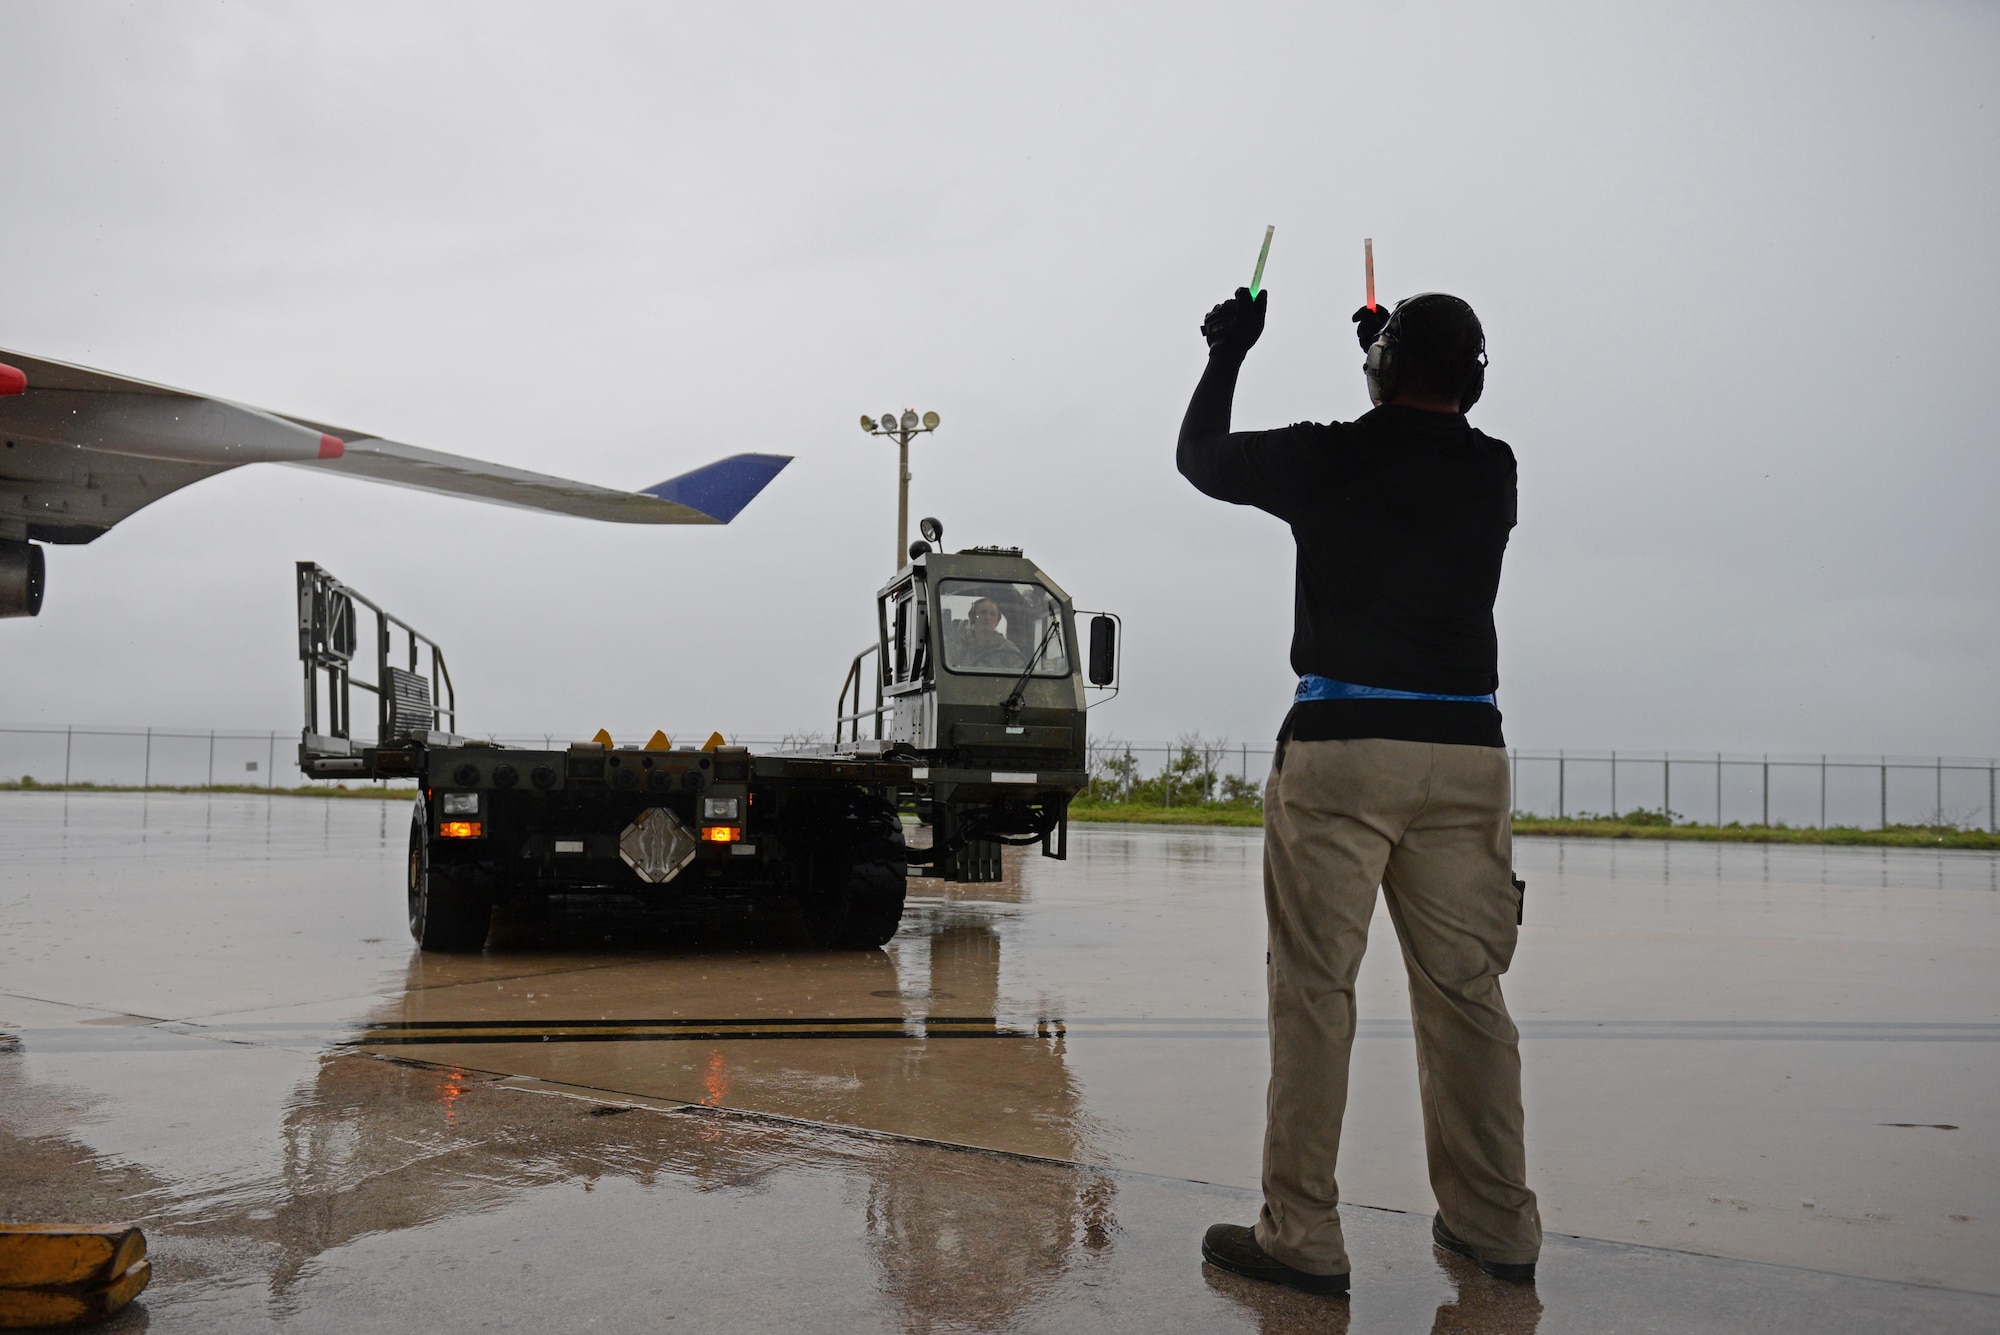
(900, 427)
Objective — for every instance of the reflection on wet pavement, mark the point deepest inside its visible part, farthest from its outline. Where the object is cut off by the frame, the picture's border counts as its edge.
(1020, 1115)
(416, 1197)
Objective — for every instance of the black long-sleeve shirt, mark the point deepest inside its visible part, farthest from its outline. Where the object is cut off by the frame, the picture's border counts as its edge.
(1401, 519)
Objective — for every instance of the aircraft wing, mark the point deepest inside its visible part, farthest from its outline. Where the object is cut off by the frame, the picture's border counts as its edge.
(712, 494)
(81, 450)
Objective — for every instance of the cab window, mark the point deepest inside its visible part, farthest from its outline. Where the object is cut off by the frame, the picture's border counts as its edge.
(909, 636)
(1000, 627)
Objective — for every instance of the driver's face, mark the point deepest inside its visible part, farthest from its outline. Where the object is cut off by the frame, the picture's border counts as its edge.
(985, 616)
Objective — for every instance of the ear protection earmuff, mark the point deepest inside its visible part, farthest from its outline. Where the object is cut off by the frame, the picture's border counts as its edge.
(1380, 366)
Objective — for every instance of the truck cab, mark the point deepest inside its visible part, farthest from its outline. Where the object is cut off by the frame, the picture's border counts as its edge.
(982, 685)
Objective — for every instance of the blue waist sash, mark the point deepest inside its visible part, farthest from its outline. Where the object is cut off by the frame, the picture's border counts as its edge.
(1312, 687)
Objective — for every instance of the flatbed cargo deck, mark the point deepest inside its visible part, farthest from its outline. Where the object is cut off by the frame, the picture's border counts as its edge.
(985, 756)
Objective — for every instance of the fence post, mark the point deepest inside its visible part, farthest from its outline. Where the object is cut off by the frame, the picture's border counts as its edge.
(1562, 811)
(1885, 792)
(211, 757)
(1614, 785)
(271, 764)
(1767, 790)
(1718, 789)
(1989, 798)
(1940, 792)
(1822, 790)
(1667, 786)
(69, 740)
(147, 782)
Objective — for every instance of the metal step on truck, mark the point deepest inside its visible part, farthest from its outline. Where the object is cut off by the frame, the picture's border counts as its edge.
(976, 729)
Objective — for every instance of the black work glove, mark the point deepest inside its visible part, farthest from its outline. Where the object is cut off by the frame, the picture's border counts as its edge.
(1368, 325)
(1233, 326)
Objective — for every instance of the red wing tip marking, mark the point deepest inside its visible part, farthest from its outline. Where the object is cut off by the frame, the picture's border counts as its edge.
(331, 447)
(13, 380)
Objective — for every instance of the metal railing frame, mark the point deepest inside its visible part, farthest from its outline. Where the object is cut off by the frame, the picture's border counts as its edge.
(847, 725)
(326, 645)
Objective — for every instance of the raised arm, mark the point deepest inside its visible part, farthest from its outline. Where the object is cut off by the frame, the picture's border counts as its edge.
(1259, 468)
(1232, 329)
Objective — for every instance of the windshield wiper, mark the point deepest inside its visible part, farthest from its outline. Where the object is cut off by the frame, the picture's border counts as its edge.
(1015, 699)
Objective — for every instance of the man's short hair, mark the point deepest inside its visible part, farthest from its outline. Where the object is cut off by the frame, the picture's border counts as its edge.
(1438, 342)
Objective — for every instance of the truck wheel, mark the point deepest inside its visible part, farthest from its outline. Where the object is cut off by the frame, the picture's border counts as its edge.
(446, 914)
(856, 901)
(876, 886)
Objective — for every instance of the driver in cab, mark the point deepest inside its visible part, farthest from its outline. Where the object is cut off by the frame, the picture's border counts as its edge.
(987, 647)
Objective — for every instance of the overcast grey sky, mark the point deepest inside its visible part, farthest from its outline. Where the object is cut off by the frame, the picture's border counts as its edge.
(1736, 263)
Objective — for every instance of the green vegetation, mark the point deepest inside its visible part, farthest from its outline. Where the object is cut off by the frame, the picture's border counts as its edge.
(1191, 790)
(1593, 827)
(1133, 813)
(1192, 779)
(1663, 825)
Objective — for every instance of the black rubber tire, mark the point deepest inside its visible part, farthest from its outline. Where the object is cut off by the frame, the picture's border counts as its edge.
(446, 915)
(856, 899)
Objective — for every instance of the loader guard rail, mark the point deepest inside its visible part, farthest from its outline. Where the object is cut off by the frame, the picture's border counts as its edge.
(847, 725)
(412, 703)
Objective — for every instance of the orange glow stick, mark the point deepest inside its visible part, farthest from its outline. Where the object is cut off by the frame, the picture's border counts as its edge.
(1368, 258)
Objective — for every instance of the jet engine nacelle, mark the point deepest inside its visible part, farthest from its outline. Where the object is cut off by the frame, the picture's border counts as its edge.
(22, 576)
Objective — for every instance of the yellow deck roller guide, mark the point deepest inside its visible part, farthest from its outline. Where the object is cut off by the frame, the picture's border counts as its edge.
(67, 1274)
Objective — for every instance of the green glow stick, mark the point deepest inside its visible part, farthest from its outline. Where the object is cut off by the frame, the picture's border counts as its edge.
(1257, 279)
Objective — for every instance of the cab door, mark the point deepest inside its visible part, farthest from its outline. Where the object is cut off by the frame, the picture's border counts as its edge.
(907, 657)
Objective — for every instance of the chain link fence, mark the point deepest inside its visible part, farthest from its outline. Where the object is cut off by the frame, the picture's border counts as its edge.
(1812, 792)
(1708, 788)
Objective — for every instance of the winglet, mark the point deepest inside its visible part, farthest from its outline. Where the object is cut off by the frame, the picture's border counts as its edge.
(13, 380)
(720, 490)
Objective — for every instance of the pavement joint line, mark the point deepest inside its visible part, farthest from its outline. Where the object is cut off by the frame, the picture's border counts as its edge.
(422, 987)
(86, 1006)
(389, 1033)
(522, 1084)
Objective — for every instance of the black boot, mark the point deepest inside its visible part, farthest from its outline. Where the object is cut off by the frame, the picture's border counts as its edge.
(1518, 1273)
(1234, 1248)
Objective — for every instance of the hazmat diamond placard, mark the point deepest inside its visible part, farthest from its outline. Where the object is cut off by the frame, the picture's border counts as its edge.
(656, 846)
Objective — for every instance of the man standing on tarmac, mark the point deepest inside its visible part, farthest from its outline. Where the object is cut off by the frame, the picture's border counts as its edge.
(1390, 771)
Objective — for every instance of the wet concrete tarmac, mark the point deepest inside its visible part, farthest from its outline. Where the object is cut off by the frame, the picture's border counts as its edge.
(1762, 1081)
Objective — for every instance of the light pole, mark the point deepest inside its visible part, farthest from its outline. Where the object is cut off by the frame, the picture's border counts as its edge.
(900, 429)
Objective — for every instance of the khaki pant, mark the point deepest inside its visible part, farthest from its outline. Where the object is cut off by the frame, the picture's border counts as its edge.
(1431, 826)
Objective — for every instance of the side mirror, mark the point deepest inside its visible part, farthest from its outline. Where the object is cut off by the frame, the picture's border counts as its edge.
(1103, 650)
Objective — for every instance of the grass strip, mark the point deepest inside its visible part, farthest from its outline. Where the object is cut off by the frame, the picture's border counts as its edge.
(1133, 813)
(1896, 836)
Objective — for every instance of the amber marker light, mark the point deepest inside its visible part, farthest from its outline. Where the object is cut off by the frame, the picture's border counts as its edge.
(722, 834)
(459, 829)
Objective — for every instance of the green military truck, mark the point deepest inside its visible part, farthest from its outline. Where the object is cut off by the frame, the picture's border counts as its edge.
(977, 729)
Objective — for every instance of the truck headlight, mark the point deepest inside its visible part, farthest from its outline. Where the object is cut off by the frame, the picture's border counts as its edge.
(720, 808)
(461, 804)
